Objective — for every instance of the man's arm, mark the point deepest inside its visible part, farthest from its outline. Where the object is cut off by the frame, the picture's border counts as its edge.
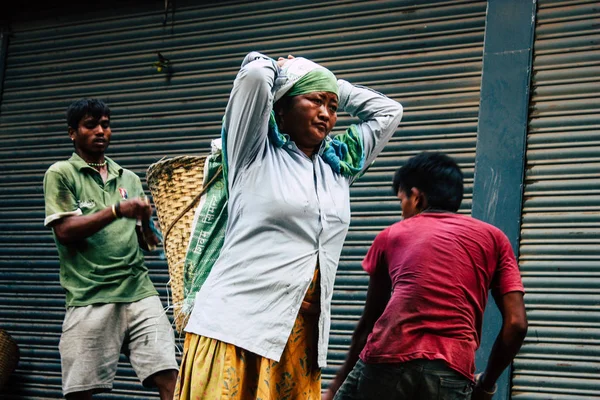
(507, 344)
(71, 229)
(378, 295)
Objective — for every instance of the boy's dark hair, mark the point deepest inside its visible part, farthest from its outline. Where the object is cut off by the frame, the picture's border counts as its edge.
(80, 108)
(436, 175)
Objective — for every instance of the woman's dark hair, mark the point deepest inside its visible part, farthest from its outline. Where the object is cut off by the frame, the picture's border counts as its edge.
(80, 108)
(436, 175)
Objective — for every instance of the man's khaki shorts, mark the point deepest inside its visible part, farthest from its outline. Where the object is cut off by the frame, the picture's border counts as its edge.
(94, 336)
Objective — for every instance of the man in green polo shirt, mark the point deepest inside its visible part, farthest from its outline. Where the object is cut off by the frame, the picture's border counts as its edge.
(100, 218)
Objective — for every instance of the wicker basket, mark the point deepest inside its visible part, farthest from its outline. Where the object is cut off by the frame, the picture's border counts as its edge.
(9, 356)
(176, 187)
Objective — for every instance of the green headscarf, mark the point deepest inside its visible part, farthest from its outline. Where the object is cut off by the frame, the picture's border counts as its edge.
(317, 80)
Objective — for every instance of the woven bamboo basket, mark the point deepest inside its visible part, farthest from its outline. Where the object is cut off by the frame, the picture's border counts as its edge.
(9, 356)
(176, 187)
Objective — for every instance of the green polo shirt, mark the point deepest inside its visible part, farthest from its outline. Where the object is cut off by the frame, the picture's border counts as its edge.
(107, 267)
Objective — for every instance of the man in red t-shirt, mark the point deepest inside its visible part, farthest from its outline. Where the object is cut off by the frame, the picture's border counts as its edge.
(429, 279)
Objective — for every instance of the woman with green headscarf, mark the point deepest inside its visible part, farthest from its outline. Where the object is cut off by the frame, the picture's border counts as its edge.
(260, 323)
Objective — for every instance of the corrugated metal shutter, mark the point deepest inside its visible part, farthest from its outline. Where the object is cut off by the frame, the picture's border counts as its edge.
(560, 243)
(426, 54)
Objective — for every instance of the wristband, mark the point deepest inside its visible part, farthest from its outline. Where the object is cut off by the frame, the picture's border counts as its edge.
(116, 210)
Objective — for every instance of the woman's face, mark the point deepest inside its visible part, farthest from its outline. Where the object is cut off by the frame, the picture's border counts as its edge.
(309, 118)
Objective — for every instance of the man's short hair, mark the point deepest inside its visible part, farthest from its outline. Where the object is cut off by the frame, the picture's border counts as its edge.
(436, 175)
(80, 108)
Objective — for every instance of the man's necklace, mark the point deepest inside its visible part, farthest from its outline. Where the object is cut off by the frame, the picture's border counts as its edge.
(102, 164)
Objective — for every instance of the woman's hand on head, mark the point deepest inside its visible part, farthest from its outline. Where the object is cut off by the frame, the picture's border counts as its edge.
(281, 61)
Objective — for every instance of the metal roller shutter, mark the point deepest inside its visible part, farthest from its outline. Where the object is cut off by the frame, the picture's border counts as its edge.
(560, 243)
(425, 54)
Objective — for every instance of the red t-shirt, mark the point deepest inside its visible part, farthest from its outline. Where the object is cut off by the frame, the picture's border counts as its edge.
(441, 266)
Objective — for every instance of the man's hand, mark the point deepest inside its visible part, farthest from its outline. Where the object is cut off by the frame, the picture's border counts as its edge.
(136, 208)
(481, 391)
(149, 236)
(141, 209)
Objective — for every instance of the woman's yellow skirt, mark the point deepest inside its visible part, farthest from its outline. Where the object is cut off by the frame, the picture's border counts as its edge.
(214, 370)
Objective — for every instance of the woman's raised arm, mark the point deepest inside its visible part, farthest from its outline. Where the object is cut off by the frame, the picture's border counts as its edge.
(247, 115)
(379, 114)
